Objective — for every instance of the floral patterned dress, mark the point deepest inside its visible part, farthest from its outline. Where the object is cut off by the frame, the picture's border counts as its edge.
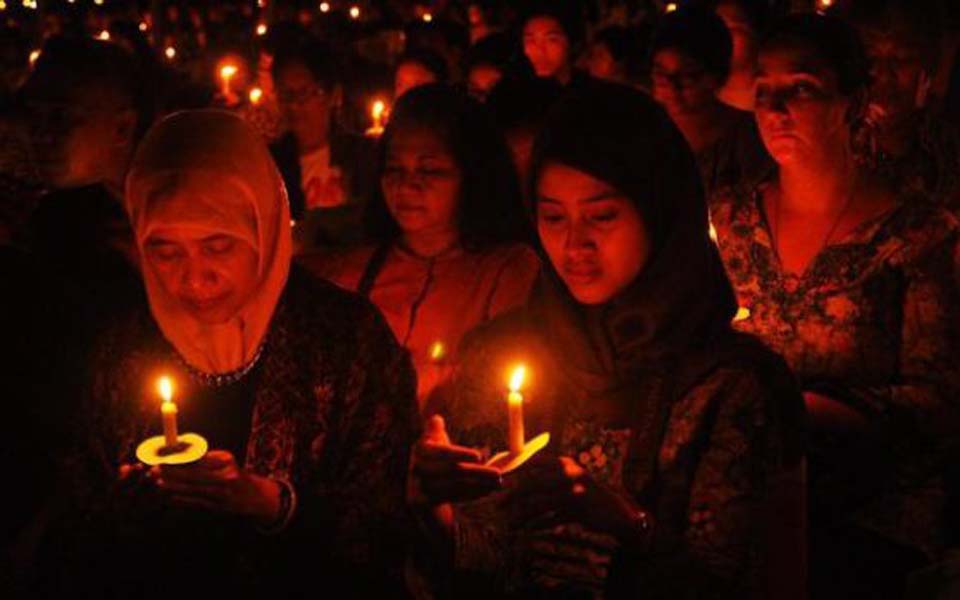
(703, 462)
(871, 323)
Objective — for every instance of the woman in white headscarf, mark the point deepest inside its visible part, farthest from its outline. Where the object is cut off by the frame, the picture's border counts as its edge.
(302, 392)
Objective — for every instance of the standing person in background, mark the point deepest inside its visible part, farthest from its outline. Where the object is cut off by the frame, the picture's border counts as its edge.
(905, 139)
(747, 21)
(326, 171)
(85, 109)
(691, 54)
(618, 54)
(447, 219)
(855, 284)
(552, 33)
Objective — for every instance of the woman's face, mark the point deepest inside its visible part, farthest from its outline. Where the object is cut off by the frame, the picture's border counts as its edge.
(421, 182)
(681, 84)
(594, 235)
(546, 45)
(212, 275)
(802, 116)
(306, 105)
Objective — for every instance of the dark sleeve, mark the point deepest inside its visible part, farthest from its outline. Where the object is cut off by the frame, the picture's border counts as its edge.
(353, 506)
(714, 536)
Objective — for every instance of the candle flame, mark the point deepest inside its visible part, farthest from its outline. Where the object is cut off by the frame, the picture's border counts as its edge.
(516, 379)
(262, 29)
(437, 351)
(256, 94)
(143, 26)
(354, 12)
(743, 313)
(228, 71)
(165, 387)
(377, 110)
(427, 17)
(170, 52)
(3, 5)
(34, 56)
(98, 2)
(104, 35)
(671, 7)
(713, 233)
(324, 7)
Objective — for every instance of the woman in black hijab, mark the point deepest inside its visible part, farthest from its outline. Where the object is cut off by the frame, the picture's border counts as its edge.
(673, 438)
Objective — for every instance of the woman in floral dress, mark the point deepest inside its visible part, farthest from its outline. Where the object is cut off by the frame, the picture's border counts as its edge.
(856, 286)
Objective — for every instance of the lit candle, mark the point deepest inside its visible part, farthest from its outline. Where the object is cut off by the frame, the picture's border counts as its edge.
(427, 17)
(515, 435)
(104, 35)
(227, 72)
(143, 26)
(377, 111)
(437, 351)
(256, 94)
(170, 52)
(324, 7)
(34, 57)
(354, 12)
(262, 29)
(169, 411)
(671, 7)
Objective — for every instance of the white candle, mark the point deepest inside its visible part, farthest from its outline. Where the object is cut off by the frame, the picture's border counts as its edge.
(226, 74)
(515, 434)
(168, 410)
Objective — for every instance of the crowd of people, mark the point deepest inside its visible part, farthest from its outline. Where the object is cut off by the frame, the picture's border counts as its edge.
(719, 237)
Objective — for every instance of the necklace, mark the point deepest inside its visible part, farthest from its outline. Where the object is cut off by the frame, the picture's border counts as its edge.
(775, 231)
(216, 380)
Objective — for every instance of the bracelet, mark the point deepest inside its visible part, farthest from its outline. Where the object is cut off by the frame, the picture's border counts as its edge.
(288, 505)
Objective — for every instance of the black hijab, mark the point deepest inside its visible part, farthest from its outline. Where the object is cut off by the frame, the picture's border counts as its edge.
(670, 319)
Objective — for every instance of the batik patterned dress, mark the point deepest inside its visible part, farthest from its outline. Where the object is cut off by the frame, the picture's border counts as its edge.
(705, 476)
(333, 414)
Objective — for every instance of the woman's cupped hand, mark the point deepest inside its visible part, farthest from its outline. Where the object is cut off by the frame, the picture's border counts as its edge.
(215, 483)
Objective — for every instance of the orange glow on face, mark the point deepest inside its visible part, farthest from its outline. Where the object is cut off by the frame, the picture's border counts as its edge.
(517, 377)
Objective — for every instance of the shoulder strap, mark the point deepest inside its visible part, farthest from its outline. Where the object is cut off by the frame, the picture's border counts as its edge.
(372, 270)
